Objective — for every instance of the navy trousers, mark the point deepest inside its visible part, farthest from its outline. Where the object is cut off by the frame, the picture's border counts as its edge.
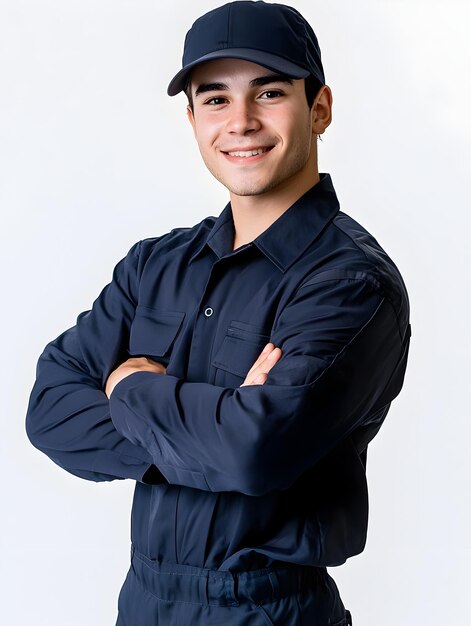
(156, 594)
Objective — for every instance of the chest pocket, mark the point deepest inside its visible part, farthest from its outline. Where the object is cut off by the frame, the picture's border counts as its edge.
(239, 350)
(153, 332)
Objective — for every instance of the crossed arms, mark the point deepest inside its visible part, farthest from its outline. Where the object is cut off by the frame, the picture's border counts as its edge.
(257, 374)
(102, 421)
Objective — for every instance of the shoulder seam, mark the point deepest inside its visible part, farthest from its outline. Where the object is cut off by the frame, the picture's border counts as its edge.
(350, 237)
(359, 276)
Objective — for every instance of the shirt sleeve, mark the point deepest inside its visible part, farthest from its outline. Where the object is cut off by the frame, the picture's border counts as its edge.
(343, 358)
(68, 415)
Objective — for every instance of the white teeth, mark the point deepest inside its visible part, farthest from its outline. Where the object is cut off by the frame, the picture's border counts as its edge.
(247, 153)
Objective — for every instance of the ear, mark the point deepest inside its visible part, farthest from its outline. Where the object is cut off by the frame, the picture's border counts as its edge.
(191, 118)
(321, 111)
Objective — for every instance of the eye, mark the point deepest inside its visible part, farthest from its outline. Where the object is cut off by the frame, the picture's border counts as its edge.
(271, 94)
(216, 100)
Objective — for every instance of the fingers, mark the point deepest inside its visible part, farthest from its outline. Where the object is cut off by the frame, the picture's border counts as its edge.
(258, 373)
(260, 379)
(262, 356)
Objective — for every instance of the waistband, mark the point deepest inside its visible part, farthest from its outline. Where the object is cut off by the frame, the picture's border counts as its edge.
(176, 582)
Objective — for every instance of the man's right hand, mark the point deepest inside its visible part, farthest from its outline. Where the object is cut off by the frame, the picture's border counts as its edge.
(130, 366)
(258, 373)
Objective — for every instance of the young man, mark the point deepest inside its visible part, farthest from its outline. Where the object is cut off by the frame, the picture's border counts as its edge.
(238, 369)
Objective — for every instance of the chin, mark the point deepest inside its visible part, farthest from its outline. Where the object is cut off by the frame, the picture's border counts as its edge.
(247, 187)
(247, 190)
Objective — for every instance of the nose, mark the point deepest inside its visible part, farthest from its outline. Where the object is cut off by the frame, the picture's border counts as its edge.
(242, 118)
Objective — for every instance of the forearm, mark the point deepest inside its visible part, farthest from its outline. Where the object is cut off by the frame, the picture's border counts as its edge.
(70, 422)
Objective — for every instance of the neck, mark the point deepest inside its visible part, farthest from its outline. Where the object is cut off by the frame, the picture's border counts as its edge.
(254, 214)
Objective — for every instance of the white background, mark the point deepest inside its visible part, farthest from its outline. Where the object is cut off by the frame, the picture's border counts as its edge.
(95, 156)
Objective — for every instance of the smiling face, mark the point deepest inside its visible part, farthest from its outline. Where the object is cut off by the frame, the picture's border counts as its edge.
(254, 129)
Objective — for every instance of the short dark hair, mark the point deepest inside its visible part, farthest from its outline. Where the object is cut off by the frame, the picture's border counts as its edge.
(311, 86)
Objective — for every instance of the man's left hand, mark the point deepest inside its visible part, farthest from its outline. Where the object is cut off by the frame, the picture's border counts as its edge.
(134, 364)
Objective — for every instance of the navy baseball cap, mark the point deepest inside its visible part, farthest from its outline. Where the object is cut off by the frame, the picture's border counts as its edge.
(273, 35)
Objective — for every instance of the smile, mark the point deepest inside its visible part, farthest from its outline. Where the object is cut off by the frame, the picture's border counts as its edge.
(248, 153)
(253, 155)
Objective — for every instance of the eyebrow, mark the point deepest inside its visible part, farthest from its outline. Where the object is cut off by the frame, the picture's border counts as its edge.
(256, 82)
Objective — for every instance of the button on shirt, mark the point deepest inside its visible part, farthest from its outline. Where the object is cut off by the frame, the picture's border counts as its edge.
(231, 477)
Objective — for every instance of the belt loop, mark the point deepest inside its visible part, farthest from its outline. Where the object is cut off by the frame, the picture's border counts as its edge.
(231, 588)
(204, 581)
(235, 586)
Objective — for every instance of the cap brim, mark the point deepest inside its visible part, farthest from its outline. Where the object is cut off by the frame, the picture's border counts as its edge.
(270, 61)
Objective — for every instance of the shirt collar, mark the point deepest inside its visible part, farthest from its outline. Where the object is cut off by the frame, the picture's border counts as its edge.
(288, 237)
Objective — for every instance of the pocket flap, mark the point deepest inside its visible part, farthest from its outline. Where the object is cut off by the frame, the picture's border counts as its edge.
(240, 348)
(154, 331)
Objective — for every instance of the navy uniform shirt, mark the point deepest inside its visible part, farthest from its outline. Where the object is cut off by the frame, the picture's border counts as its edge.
(231, 477)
